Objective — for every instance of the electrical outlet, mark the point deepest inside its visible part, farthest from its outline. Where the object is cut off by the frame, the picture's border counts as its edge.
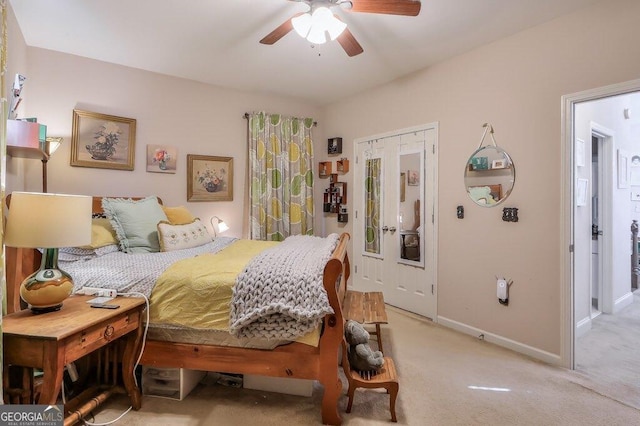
(503, 294)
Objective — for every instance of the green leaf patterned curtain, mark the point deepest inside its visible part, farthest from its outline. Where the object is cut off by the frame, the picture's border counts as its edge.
(372, 199)
(281, 176)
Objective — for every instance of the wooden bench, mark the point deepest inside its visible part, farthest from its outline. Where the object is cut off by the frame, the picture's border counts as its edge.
(366, 308)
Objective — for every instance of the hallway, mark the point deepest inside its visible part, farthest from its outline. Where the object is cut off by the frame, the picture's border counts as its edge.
(608, 356)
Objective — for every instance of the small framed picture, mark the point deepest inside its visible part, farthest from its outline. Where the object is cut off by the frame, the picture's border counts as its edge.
(498, 164)
(209, 178)
(334, 146)
(161, 158)
(413, 178)
(582, 186)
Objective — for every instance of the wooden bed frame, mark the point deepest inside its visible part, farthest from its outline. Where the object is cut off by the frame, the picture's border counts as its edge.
(295, 360)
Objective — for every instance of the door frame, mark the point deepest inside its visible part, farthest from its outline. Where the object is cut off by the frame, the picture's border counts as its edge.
(567, 264)
(432, 215)
(605, 244)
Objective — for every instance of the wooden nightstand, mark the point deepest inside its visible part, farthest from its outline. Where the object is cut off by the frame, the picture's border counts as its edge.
(52, 340)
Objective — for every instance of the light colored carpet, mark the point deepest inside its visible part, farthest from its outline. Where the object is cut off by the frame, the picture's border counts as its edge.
(436, 367)
(608, 356)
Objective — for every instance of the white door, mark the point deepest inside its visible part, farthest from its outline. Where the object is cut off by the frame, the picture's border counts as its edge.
(394, 225)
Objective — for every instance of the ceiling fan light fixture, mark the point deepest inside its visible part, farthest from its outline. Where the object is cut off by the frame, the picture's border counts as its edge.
(302, 24)
(315, 26)
(335, 27)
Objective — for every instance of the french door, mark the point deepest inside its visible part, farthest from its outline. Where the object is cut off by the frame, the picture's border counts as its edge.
(395, 225)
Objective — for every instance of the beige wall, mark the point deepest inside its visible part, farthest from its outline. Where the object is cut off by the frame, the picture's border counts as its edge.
(194, 117)
(516, 84)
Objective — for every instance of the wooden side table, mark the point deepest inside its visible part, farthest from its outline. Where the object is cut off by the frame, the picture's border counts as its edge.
(52, 340)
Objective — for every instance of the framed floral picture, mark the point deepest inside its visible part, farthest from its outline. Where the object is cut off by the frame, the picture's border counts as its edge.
(413, 178)
(209, 178)
(161, 158)
(102, 141)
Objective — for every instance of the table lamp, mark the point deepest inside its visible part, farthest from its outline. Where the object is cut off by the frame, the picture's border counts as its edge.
(48, 221)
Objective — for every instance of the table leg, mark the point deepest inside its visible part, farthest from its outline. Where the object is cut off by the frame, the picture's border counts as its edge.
(129, 358)
(53, 370)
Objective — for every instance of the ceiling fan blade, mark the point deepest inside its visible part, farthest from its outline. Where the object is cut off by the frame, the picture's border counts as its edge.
(388, 7)
(279, 32)
(349, 43)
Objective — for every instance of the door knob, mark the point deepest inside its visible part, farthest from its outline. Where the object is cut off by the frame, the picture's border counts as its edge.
(385, 228)
(392, 229)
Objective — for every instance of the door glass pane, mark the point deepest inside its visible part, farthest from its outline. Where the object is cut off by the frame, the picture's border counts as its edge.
(410, 211)
(372, 185)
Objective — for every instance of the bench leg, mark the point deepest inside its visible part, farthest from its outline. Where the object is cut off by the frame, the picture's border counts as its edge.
(393, 394)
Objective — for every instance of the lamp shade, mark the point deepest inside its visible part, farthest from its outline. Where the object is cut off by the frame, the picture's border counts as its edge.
(222, 227)
(37, 220)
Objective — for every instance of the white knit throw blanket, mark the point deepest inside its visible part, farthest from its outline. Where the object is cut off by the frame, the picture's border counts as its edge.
(280, 294)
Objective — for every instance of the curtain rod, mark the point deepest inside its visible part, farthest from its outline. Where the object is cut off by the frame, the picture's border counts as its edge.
(246, 116)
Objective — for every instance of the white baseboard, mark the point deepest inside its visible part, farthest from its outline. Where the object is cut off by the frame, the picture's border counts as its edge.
(622, 302)
(583, 326)
(541, 355)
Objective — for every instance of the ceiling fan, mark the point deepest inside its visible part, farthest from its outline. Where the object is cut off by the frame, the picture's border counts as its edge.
(319, 24)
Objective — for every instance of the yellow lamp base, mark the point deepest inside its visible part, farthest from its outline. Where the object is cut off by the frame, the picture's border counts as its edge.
(46, 289)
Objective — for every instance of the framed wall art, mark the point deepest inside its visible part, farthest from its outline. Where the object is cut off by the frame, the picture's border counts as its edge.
(102, 141)
(162, 158)
(209, 178)
(580, 153)
(581, 192)
(413, 178)
(623, 169)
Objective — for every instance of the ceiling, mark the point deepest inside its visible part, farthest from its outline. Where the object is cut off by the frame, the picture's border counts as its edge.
(217, 41)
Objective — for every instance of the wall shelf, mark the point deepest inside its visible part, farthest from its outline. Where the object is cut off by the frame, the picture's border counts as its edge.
(23, 140)
(324, 169)
(335, 196)
(342, 166)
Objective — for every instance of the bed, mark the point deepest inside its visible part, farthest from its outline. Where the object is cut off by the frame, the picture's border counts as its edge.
(293, 357)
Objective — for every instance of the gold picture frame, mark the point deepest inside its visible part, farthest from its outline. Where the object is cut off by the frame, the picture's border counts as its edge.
(209, 178)
(102, 141)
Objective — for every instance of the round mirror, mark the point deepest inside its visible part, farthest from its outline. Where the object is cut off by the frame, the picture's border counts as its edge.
(489, 176)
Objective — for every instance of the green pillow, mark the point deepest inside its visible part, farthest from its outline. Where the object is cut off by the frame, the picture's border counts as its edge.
(135, 222)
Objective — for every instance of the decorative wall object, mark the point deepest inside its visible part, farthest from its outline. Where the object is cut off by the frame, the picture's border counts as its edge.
(161, 158)
(102, 141)
(623, 169)
(580, 154)
(413, 178)
(635, 170)
(334, 146)
(209, 178)
(581, 192)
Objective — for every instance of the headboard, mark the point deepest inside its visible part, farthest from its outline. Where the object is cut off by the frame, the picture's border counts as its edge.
(22, 262)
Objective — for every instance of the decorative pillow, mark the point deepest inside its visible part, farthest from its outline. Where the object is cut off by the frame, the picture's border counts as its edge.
(135, 222)
(102, 234)
(178, 215)
(177, 237)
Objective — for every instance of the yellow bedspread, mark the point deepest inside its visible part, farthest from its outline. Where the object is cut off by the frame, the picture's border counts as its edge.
(196, 292)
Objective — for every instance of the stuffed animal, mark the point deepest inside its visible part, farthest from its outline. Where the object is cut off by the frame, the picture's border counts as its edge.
(361, 356)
